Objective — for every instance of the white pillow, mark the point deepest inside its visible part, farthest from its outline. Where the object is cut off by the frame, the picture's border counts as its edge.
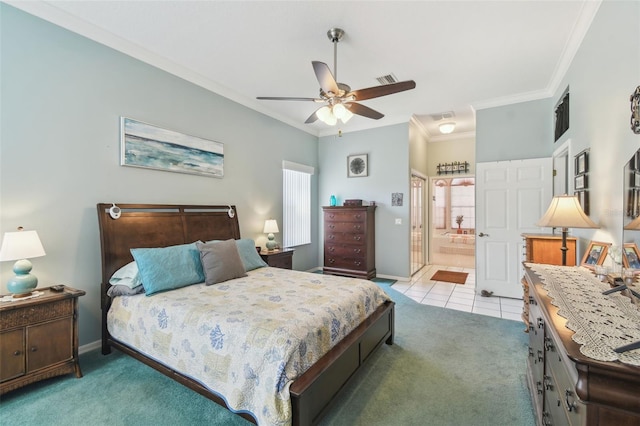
(127, 276)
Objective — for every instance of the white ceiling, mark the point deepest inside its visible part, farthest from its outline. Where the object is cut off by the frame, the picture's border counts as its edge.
(463, 55)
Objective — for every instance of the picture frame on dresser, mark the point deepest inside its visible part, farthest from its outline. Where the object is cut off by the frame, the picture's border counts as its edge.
(595, 254)
(631, 256)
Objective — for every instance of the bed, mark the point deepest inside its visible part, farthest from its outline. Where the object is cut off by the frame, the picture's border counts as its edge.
(309, 393)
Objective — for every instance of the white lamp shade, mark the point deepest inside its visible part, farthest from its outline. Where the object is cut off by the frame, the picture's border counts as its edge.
(271, 227)
(565, 212)
(346, 116)
(21, 245)
(634, 225)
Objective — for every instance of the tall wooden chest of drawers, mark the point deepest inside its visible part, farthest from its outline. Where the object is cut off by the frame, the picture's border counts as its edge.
(349, 241)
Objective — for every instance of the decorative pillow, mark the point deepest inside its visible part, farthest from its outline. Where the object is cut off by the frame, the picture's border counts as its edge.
(221, 261)
(168, 268)
(127, 275)
(249, 255)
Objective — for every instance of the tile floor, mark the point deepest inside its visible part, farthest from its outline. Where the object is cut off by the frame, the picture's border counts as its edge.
(462, 297)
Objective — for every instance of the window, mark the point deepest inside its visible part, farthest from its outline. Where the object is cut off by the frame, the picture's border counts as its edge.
(463, 201)
(296, 204)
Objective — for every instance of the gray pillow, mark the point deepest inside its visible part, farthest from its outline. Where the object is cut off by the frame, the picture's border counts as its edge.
(220, 261)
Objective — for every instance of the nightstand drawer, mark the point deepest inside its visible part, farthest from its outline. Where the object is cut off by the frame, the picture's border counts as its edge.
(35, 313)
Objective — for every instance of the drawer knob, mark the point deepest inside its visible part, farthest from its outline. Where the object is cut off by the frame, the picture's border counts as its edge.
(332, 226)
(331, 249)
(34, 348)
(331, 260)
(357, 238)
(540, 356)
(540, 323)
(547, 382)
(539, 387)
(548, 344)
(331, 237)
(357, 263)
(357, 250)
(17, 353)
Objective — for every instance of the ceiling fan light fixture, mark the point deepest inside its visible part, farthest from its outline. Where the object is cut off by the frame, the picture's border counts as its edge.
(446, 128)
(346, 116)
(339, 111)
(324, 113)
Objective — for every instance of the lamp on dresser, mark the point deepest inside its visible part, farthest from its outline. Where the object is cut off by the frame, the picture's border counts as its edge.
(270, 228)
(565, 212)
(21, 246)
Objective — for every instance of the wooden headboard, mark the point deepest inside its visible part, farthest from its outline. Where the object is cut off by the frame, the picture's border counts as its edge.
(158, 225)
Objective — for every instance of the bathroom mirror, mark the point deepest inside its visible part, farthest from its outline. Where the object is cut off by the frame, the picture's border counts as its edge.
(631, 208)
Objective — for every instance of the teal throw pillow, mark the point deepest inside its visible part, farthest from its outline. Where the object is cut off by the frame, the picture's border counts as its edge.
(249, 255)
(168, 268)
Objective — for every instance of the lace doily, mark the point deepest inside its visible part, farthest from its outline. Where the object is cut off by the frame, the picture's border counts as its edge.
(600, 322)
(10, 298)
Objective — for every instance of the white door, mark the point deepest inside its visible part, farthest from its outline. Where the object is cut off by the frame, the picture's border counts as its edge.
(511, 196)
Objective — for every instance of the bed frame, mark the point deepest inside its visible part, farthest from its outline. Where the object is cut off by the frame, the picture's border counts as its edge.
(159, 225)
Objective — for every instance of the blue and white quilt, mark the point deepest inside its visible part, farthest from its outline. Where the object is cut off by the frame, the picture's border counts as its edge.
(249, 338)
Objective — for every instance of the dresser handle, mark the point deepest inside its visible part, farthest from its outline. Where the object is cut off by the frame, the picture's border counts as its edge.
(331, 260)
(357, 216)
(332, 226)
(357, 227)
(548, 344)
(540, 323)
(539, 387)
(571, 406)
(331, 237)
(357, 238)
(530, 351)
(17, 353)
(540, 356)
(357, 250)
(331, 249)
(34, 348)
(547, 382)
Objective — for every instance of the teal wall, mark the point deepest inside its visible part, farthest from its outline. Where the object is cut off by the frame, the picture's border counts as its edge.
(388, 150)
(62, 98)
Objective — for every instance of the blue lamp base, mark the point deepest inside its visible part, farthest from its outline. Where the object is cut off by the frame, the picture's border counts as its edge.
(23, 283)
(271, 243)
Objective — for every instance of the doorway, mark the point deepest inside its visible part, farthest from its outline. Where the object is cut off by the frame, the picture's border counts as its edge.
(418, 185)
(452, 233)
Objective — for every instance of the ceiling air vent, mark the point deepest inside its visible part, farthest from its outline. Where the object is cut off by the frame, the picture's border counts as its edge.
(387, 79)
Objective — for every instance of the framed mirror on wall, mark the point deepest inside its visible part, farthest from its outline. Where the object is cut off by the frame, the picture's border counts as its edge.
(631, 209)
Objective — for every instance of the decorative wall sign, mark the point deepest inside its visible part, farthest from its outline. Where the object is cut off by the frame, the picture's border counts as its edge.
(358, 165)
(150, 147)
(396, 199)
(635, 111)
(455, 167)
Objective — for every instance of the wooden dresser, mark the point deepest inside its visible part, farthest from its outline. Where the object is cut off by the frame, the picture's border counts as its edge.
(39, 338)
(567, 387)
(349, 241)
(545, 248)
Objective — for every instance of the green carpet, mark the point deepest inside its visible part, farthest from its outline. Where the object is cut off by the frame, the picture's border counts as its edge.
(445, 368)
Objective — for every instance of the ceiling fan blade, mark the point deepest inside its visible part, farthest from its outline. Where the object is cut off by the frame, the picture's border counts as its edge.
(277, 98)
(325, 78)
(364, 111)
(313, 117)
(386, 89)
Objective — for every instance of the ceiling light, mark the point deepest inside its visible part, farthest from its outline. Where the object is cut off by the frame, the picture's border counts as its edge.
(446, 128)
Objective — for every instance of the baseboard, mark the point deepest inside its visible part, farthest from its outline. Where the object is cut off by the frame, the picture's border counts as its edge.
(90, 347)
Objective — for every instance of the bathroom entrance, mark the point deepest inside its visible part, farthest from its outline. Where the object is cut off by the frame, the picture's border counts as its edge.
(453, 221)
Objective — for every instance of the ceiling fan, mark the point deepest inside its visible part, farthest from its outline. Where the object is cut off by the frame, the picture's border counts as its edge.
(340, 101)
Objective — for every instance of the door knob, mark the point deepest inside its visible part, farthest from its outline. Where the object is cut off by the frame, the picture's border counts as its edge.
(482, 234)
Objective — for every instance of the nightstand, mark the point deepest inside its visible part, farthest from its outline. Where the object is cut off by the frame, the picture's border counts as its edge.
(281, 258)
(39, 338)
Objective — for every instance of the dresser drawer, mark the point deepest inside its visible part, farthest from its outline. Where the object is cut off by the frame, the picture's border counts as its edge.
(343, 238)
(345, 216)
(565, 386)
(335, 250)
(349, 227)
(355, 264)
(35, 313)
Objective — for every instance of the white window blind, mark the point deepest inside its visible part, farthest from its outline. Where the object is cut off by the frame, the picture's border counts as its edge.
(296, 204)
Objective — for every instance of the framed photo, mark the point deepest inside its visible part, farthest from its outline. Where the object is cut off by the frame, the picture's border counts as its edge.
(631, 256)
(583, 199)
(595, 254)
(150, 147)
(358, 165)
(582, 163)
(581, 182)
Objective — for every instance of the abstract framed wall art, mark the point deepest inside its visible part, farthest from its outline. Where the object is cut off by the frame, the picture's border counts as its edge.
(358, 165)
(151, 147)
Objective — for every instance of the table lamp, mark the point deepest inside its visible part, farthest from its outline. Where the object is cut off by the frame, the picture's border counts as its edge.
(20, 246)
(271, 227)
(565, 212)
